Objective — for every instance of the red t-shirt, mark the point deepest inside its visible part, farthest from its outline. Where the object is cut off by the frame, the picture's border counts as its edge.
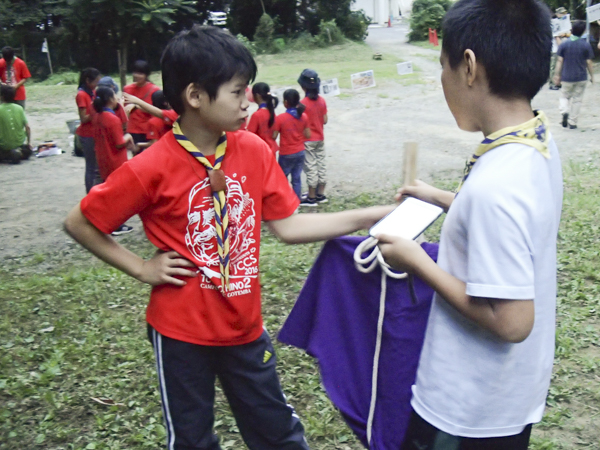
(259, 125)
(108, 133)
(84, 100)
(158, 127)
(170, 191)
(18, 72)
(138, 119)
(121, 114)
(291, 133)
(315, 110)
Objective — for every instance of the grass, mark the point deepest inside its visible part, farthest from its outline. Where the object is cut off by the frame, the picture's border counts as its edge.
(427, 44)
(81, 334)
(334, 62)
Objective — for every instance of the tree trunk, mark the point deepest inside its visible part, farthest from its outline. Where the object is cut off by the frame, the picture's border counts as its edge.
(122, 56)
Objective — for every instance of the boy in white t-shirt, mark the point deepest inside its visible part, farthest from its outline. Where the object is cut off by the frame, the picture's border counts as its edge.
(487, 359)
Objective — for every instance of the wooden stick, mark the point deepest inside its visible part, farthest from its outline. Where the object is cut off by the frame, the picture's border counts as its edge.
(410, 162)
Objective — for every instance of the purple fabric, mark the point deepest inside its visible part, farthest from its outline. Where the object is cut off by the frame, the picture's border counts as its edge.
(335, 321)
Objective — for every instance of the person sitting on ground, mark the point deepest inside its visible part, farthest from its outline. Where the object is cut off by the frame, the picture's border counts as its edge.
(575, 57)
(161, 122)
(486, 363)
(14, 72)
(15, 134)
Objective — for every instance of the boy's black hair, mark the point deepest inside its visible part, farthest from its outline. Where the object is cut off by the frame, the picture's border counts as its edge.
(8, 53)
(7, 93)
(578, 27)
(292, 97)
(103, 96)
(512, 39)
(141, 66)
(89, 74)
(206, 56)
(159, 100)
(264, 91)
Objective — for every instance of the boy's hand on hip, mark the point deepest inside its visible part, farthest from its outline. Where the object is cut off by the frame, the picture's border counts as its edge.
(163, 267)
(402, 254)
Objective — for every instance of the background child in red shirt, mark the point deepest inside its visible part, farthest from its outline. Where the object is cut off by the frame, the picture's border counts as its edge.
(141, 88)
(293, 127)
(262, 121)
(314, 164)
(110, 143)
(204, 317)
(88, 80)
(14, 72)
(162, 120)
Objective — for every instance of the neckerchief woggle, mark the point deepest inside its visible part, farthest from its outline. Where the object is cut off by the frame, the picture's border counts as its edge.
(533, 133)
(218, 187)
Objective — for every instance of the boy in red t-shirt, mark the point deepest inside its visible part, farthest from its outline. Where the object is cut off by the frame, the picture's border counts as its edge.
(14, 72)
(201, 193)
(162, 120)
(293, 128)
(314, 163)
(141, 88)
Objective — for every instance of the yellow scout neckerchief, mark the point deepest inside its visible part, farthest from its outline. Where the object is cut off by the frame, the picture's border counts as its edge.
(219, 191)
(533, 133)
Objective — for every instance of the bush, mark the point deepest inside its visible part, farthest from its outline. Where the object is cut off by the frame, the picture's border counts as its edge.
(278, 45)
(263, 37)
(304, 41)
(355, 26)
(427, 14)
(329, 34)
(247, 43)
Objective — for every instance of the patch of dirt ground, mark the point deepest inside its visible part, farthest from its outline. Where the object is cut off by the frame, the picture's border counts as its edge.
(364, 140)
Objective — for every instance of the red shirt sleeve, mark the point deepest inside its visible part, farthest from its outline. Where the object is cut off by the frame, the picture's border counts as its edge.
(170, 116)
(253, 125)
(23, 71)
(115, 130)
(112, 203)
(305, 121)
(279, 199)
(154, 128)
(83, 100)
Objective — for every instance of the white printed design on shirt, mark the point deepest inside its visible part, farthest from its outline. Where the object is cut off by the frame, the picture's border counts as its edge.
(201, 235)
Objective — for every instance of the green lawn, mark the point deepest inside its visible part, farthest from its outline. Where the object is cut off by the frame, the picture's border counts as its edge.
(81, 334)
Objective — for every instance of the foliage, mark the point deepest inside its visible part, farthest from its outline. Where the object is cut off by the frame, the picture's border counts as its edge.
(427, 14)
(355, 25)
(329, 34)
(247, 43)
(263, 37)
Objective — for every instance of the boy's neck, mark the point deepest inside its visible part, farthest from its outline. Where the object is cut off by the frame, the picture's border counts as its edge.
(498, 113)
(205, 139)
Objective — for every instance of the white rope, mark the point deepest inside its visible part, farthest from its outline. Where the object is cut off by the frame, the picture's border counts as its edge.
(367, 265)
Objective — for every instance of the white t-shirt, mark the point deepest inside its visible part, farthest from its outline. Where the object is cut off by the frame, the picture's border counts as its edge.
(499, 237)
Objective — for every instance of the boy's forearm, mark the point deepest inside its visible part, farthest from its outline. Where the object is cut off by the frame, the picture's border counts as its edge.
(303, 228)
(510, 320)
(101, 245)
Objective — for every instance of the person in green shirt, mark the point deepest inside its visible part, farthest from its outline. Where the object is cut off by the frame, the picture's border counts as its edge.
(15, 134)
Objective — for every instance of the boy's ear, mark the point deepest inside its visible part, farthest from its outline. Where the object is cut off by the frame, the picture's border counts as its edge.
(470, 61)
(194, 96)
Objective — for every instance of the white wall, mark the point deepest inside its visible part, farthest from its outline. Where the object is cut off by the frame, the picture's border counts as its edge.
(380, 10)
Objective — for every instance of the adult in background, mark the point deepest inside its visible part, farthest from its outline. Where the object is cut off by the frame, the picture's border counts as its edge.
(88, 80)
(14, 72)
(574, 61)
(556, 41)
(141, 88)
(15, 134)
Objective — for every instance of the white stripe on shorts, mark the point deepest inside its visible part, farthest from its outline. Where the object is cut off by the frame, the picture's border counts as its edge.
(163, 389)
